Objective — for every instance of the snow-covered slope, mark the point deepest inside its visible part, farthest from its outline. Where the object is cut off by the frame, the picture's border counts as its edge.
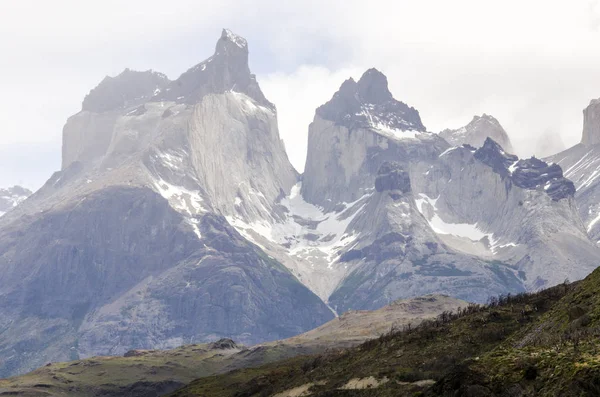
(477, 131)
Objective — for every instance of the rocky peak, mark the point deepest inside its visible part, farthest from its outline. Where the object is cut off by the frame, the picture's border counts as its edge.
(223, 344)
(368, 103)
(226, 70)
(373, 87)
(492, 154)
(531, 174)
(534, 173)
(391, 176)
(477, 131)
(591, 123)
(127, 89)
(231, 43)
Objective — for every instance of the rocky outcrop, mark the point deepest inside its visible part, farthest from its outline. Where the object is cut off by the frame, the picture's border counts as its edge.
(391, 176)
(492, 154)
(477, 131)
(591, 124)
(532, 173)
(11, 197)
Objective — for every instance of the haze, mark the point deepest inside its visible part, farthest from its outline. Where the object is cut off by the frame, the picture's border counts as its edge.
(533, 65)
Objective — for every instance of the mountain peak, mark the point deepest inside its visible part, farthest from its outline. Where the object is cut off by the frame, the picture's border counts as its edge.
(492, 154)
(369, 103)
(373, 87)
(477, 131)
(591, 123)
(227, 70)
(227, 36)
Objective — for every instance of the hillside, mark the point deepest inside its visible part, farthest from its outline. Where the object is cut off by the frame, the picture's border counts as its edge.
(157, 372)
(541, 344)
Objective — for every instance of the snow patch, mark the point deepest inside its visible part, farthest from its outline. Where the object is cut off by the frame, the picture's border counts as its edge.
(181, 199)
(248, 105)
(395, 133)
(307, 231)
(238, 40)
(463, 230)
(593, 222)
(448, 151)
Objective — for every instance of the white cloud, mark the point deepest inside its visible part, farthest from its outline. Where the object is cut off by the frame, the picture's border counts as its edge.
(297, 95)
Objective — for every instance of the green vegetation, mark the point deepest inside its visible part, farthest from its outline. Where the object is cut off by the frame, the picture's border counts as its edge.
(474, 349)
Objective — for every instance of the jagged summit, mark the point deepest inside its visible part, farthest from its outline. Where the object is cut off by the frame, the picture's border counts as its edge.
(228, 36)
(226, 70)
(492, 154)
(591, 123)
(529, 173)
(373, 87)
(476, 132)
(368, 103)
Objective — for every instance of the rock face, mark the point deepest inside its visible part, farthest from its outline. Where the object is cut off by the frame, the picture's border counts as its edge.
(582, 165)
(477, 131)
(591, 124)
(128, 246)
(359, 129)
(11, 197)
(391, 176)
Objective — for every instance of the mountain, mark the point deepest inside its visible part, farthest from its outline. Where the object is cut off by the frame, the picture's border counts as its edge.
(477, 131)
(127, 246)
(11, 197)
(386, 210)
(178, 218)
(582, 165)
(157, 372)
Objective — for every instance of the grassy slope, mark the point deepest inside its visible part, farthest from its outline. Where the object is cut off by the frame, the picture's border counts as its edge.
(154, 373)
(160, 372)
(464, 347)
(558, 355)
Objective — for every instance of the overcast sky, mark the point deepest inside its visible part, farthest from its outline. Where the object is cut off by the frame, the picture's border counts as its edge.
(532, 64)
